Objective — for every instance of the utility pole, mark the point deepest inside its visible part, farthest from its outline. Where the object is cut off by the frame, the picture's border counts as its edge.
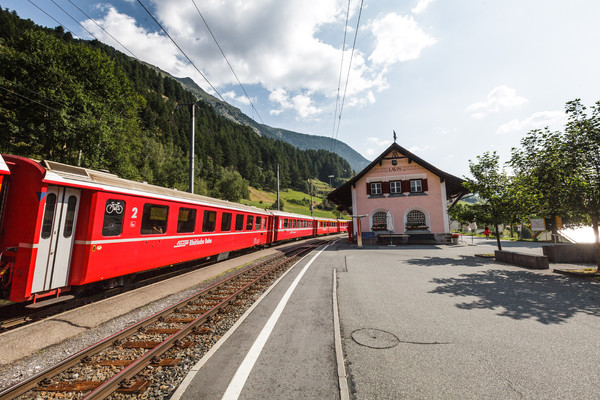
(192, 147)
(311, 201)
(277, 187)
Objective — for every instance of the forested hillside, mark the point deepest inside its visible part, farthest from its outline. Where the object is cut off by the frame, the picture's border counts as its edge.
(299, 140)
(84, 103)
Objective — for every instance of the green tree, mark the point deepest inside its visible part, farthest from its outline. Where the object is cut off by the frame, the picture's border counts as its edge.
(541, 169)
(68, 102)
(231, 186)
(493, 186)
(559, 172)
(463, 213)
(582, 139)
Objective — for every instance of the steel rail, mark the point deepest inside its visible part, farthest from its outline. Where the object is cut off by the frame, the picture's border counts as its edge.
(34, 381)
(109, 386)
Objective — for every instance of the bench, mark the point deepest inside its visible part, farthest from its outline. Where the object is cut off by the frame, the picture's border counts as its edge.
(522, 259)
(391, 236)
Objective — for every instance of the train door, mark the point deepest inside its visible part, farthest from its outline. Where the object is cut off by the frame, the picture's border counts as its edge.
(56, 239)
(270, 228)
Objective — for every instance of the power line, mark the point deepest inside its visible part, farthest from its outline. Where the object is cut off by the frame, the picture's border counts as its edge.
(225, 57)
(77, 22)
(4, 81)
(51, 17)
(105, 31)
(27, 98)
(181, 50)
(349, 68)
(337, 99)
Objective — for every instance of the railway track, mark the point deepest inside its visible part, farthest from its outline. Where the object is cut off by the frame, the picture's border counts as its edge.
(18, 315)
(150, 357)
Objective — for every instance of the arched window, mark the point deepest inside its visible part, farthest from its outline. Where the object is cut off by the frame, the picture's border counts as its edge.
(380, 221)
(415, 218)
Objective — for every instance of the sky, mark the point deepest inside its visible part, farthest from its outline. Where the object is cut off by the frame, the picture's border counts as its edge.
(452, 78)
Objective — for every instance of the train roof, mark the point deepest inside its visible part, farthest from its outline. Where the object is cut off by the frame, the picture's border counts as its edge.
(288, 214)
(84, 177)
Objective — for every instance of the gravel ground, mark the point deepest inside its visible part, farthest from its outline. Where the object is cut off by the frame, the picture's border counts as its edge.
(29, 366)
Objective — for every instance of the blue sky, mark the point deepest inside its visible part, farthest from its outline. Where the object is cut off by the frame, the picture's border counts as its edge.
(453, 78)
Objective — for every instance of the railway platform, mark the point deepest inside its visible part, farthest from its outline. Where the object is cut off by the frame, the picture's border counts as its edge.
(416, 322)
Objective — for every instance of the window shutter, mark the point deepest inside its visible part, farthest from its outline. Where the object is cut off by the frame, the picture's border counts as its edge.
(424, 185)
(385, 187)
(405, 186)
(368, 188)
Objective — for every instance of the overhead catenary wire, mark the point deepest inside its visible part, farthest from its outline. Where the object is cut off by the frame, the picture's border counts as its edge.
(227, 60)
(337, 99)
(105, 31)
(27, 98)
(52, 18)
(3, 82)
(349, 69)
(181, 50)
(70, 16)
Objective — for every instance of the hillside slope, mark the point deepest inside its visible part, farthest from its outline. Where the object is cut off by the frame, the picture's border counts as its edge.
(300, 140)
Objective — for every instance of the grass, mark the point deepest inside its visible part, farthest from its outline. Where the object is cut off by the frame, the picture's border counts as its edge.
(264, 199)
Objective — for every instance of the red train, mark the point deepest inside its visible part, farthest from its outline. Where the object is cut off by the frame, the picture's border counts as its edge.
(65, 227)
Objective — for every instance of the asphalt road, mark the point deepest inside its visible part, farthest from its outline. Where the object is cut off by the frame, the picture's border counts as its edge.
(436, 322)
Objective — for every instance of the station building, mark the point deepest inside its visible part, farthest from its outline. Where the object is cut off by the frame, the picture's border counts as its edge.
(401, 197)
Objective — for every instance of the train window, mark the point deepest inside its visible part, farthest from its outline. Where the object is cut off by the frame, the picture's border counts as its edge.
(210, 221)
(48, 216)
(285, 222)
(225, 222)
(186, 220)
(70, 217)
(239, 222)
(154, 219)
(249, 222)
(114, 210)
(258, 223)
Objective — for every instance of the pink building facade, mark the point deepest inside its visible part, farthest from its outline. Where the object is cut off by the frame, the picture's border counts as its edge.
(401, 194)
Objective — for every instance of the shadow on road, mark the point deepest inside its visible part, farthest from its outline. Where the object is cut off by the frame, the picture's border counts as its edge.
(463, 261)
(549, 299)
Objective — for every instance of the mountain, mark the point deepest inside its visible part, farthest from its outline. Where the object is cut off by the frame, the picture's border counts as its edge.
(85, 103)
(299, 140)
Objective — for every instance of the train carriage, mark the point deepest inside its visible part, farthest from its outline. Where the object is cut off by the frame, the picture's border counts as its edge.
(74, 226)
(288, 226)
(325, 226)
(66, 227)
(342, 225)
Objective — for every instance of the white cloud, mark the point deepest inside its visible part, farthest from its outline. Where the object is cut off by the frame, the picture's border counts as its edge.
(278, 49)
(538, 120)
(281, 49)
(397, 38)
(421, 6)
(501, 97)
(418, 149)
(302, 103)
(374, 146)
(239, 99)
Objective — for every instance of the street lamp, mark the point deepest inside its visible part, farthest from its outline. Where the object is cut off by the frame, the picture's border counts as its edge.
(330, 176)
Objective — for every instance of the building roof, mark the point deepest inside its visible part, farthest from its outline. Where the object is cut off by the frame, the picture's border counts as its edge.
(342, 196)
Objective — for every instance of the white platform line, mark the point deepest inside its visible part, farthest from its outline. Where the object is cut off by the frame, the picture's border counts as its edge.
(239, 380)
(196, 368)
